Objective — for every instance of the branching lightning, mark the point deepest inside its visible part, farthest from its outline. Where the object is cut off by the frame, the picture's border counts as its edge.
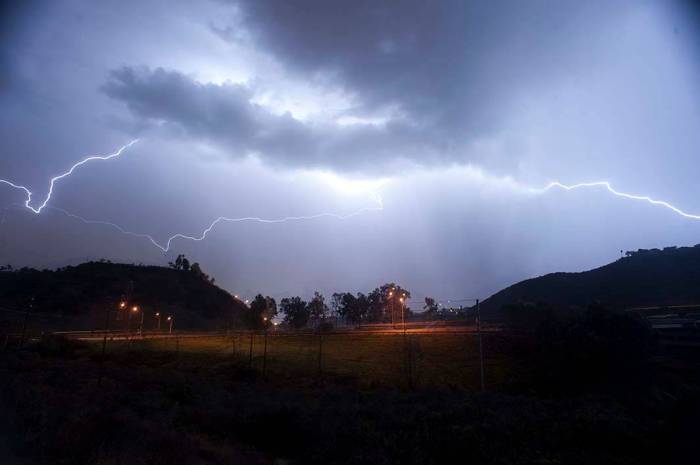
(55, 179)
(165, 247)
(624, 195)
(379, 206)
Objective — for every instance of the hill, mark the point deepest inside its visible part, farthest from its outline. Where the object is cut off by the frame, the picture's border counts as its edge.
(643, 278)
(77, 296)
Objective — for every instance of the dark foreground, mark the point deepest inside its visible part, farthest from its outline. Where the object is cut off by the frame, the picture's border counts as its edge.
(153, 408)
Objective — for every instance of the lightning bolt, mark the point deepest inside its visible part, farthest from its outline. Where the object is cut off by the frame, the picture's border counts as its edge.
(379, 206)
(165, 247)
(624, 195)
(55, 179)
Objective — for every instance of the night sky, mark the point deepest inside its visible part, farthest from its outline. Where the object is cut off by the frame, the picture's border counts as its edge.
(438, 123)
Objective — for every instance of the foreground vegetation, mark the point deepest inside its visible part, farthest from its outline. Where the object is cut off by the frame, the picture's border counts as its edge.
(418, 360)
(198, 402)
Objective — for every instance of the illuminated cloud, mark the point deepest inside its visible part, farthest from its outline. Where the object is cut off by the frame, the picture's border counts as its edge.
(264, 109)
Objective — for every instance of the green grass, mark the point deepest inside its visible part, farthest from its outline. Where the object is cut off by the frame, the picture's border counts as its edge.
(423, 360)
(194, 400)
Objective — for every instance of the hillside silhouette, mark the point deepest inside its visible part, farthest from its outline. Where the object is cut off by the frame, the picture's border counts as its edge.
(79, 295)
(644, 278)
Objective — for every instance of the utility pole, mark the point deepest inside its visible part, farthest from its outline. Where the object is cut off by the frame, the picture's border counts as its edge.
(481, 348)
(264, 367)
(141, 327)
(250, 352)
(320, 350)
(26, 320)
(104, 345)
(127, 300)
(391, 308)
(403, 316)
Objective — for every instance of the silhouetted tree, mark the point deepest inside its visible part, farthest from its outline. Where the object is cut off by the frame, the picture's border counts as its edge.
(352, 308)
(385, 301)
(262, 311)
(318, 310)
(337, 303)
(430, 306)
(296, 312)
(181, 263)
(362, 305)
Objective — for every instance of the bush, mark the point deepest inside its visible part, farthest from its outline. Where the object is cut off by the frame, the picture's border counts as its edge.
(56, 345)
(586, 351)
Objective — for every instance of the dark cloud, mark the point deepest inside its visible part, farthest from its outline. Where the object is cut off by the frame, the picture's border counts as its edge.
(451, 65)
(225, 114)
(525, 92)
(452, 70)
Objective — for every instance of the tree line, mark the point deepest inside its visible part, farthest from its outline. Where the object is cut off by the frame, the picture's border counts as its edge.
(384, 304)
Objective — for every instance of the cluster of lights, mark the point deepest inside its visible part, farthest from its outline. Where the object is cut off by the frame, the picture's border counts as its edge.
(135, 309)
(401, 299)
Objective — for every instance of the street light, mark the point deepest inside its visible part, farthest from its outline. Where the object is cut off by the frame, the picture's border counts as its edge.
(158, 318)
(135, 309)
(391, 306)
(170, 325)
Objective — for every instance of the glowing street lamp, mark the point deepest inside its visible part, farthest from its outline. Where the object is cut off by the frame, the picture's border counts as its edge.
(391, 306)
(170, 325)
(158, 318)
(135, 309)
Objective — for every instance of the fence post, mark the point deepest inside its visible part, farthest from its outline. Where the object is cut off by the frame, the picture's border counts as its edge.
(26, 320)
(104, 346)
(250, 354)
(320, 351)
(481, 347)
(264, 354)
(409, 357)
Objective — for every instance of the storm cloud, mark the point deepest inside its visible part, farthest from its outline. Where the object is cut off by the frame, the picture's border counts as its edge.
(226, 114)
(453, 112)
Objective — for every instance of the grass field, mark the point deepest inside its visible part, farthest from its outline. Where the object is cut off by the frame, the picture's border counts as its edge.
(444, 360)
(193, 400)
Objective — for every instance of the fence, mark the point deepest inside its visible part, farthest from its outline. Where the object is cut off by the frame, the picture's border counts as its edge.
(449, 359)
